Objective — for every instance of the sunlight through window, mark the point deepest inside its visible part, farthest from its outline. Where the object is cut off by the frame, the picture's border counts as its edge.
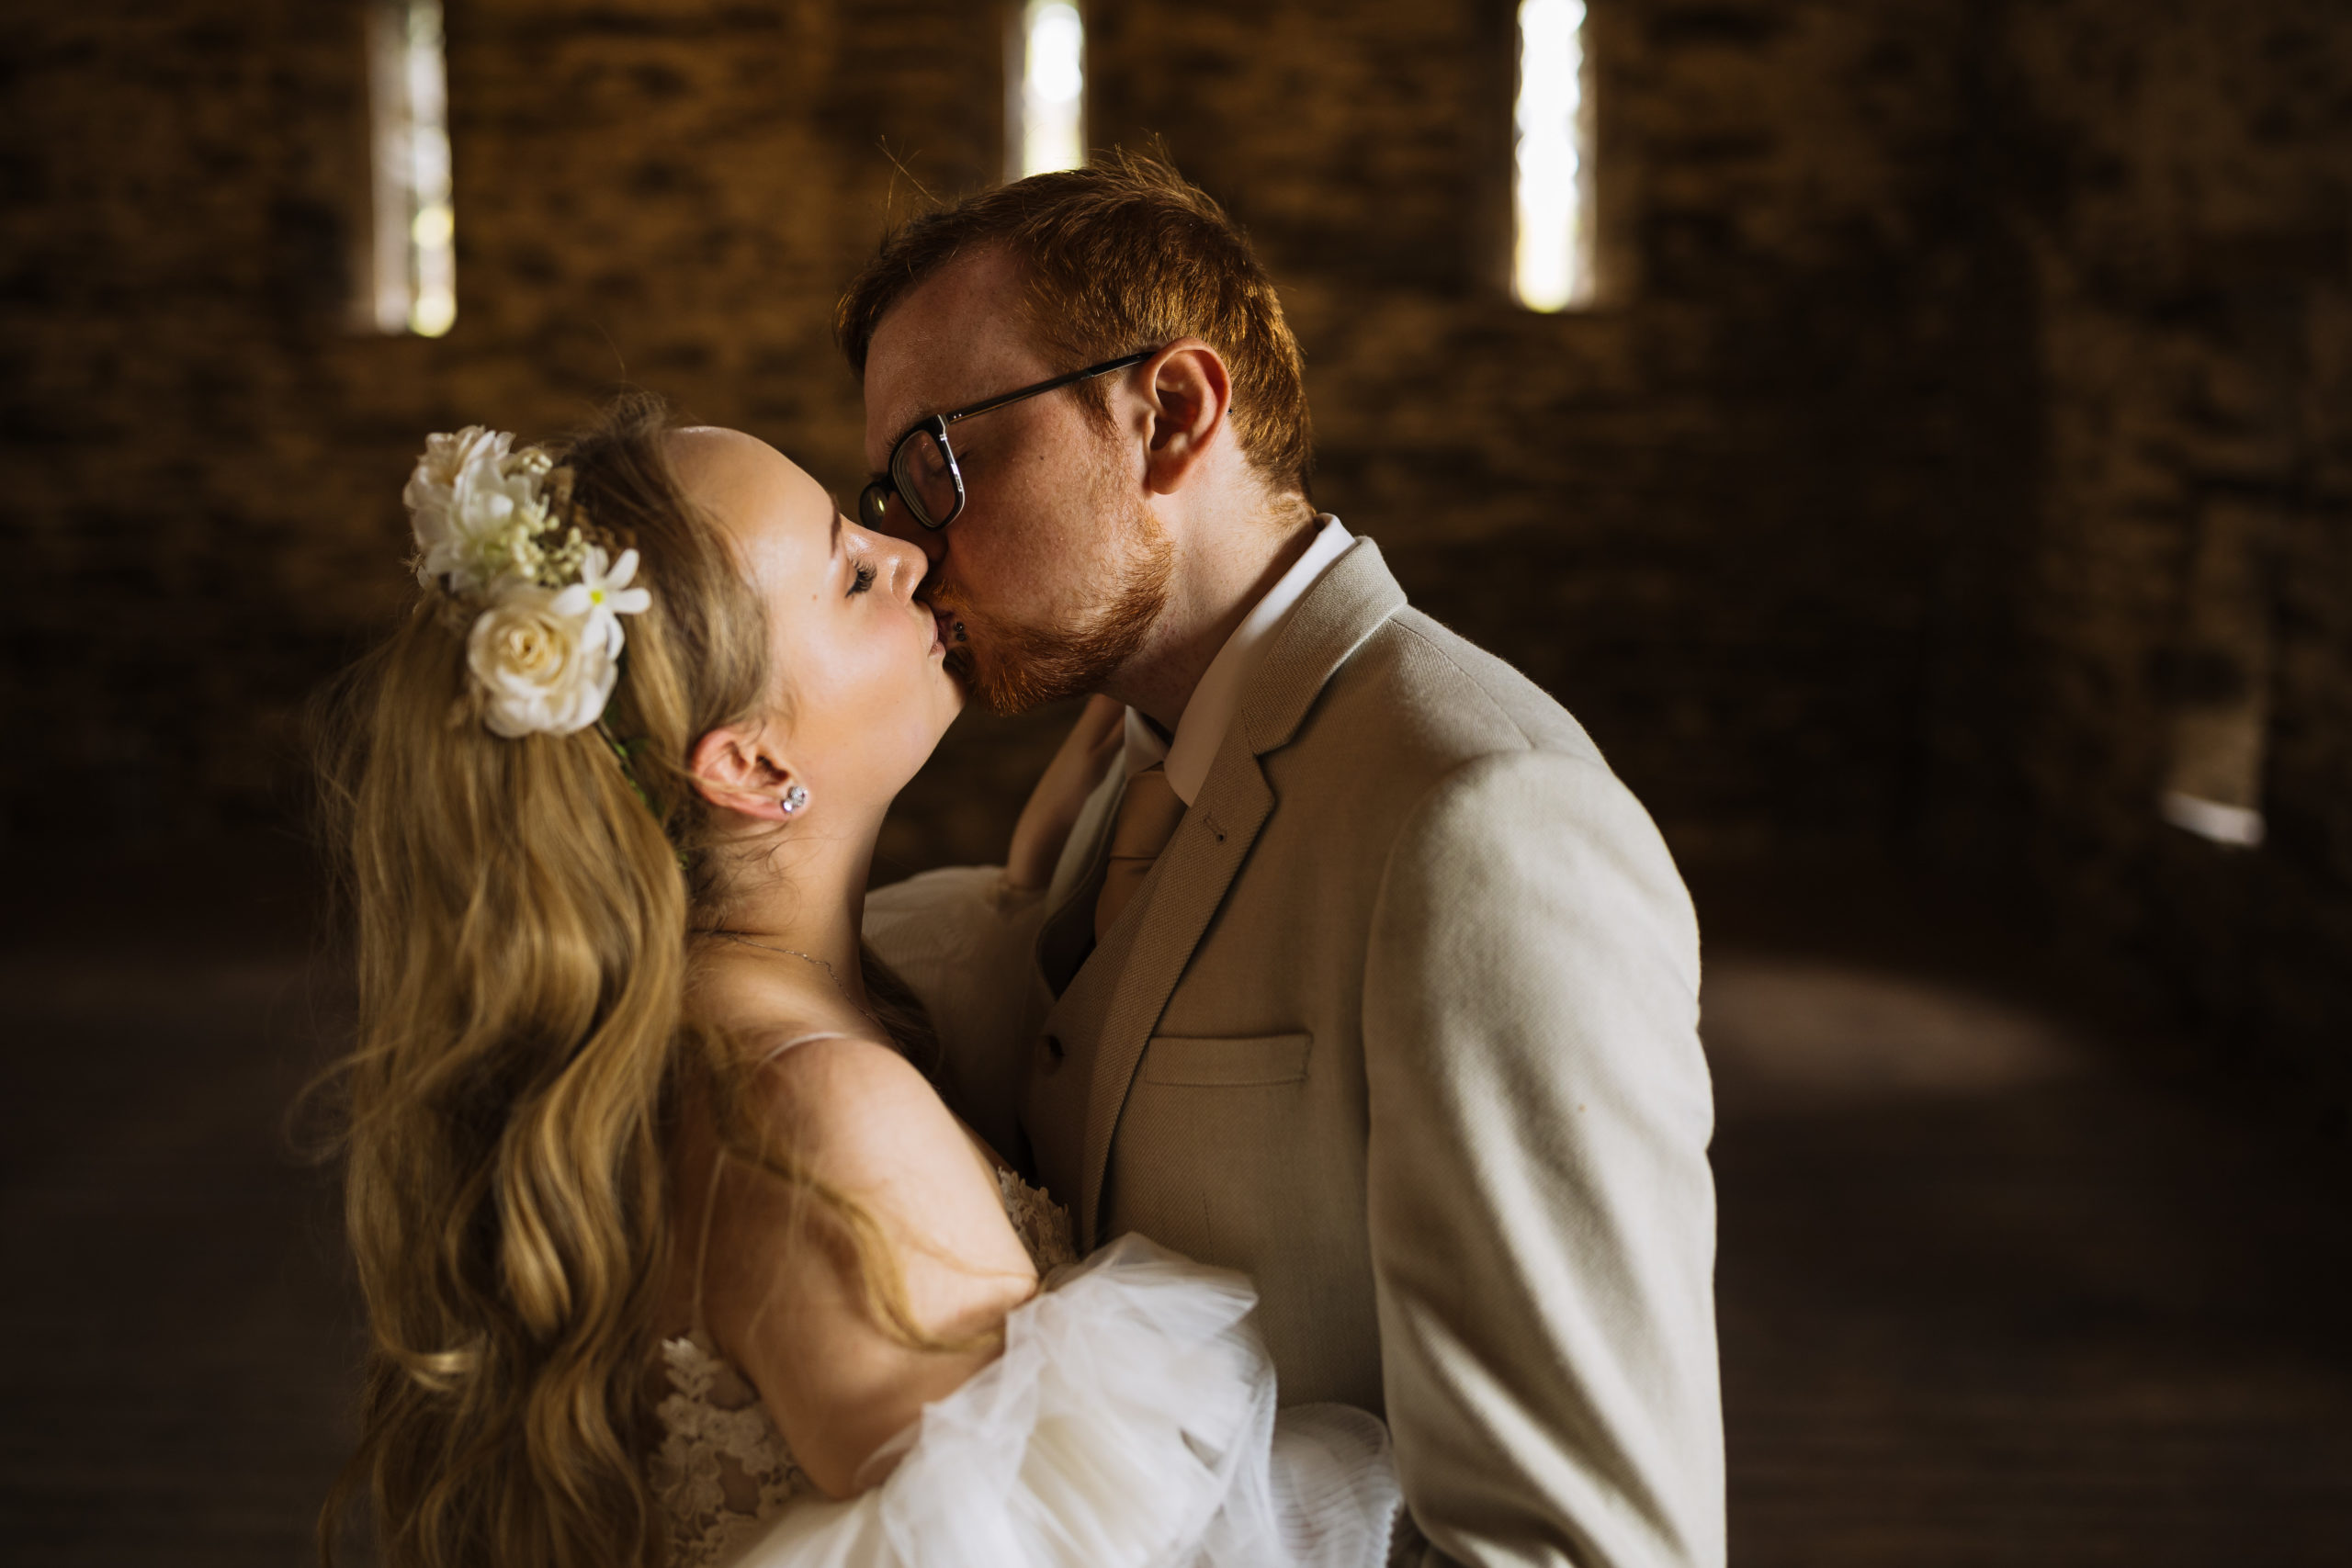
(414, 264)
(2227, 660)
(1552, 264)
(1051, 104)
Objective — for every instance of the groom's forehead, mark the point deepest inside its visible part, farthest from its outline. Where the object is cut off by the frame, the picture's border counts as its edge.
(956, 337)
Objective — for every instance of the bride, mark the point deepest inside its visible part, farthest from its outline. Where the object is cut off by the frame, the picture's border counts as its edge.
(671, 1253)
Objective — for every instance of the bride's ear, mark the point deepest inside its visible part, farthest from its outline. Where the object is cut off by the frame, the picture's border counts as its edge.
(735, 770)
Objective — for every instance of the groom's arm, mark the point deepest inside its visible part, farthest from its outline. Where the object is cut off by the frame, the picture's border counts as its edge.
(1541, 1211)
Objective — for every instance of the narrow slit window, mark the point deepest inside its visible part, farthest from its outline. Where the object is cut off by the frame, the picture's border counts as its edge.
(1048, 99)
(1552, 263)
(2220, 718)
(414, 267)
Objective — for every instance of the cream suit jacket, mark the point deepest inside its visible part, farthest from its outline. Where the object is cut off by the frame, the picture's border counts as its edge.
(1403, 1025)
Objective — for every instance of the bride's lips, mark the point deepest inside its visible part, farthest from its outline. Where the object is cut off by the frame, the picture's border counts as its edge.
(943, 628)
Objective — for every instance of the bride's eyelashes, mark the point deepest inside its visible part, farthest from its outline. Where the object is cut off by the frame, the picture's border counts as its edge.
(861, 575)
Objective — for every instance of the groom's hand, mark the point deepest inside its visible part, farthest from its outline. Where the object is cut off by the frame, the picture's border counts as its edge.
(1086, 754)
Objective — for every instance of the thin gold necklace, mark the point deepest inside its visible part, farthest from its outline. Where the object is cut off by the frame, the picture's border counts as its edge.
(830, 972)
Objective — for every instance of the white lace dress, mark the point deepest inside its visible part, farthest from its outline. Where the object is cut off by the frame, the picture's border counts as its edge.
(1130, 1420)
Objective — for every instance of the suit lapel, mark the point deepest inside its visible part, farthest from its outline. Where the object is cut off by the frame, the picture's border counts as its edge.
(1077, 980)
(1173, 908)
(1067, 935)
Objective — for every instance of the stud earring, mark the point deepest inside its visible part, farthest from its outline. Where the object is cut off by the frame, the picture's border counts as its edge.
(794, 799)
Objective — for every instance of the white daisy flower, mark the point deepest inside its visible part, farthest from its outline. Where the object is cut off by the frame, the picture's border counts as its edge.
(603, 596)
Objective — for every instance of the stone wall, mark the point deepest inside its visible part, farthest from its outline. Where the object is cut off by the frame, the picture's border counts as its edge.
(1728, 517)
(2182, 178)
(1709, 517)
(1864, 512)
(206, 458)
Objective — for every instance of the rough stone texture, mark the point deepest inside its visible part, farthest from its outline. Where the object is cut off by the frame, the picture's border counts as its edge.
(206, 461)
(2183, 182)
(1722, 516)
(1865, 512)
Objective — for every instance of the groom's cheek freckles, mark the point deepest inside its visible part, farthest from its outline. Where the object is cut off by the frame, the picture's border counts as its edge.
(1034, 561)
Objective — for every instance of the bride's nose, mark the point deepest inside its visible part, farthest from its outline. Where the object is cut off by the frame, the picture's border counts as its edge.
(907, 565)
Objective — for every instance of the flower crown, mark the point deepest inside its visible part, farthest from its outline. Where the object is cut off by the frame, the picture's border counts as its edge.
(495, 525)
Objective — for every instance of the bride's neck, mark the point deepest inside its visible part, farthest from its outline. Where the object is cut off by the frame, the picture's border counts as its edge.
(802, 895)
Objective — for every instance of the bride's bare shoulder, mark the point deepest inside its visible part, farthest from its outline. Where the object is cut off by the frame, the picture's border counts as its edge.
(858, 1116)
(858, 1120)
(833, 1088)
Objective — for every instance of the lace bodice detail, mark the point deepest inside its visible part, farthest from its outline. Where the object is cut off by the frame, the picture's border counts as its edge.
(1042, 1224)
(722, 1468)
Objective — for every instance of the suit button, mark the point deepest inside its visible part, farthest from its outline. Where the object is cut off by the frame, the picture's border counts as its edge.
(1049, 1053)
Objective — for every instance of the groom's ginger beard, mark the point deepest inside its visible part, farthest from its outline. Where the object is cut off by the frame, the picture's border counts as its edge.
(1013, 667)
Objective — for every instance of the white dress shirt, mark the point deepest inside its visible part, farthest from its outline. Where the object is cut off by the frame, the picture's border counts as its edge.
(1206, 717)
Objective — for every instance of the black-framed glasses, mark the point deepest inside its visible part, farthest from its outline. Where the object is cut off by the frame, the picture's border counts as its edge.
(925, 479)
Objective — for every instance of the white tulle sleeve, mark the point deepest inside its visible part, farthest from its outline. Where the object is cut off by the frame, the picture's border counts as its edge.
(1130, 1422)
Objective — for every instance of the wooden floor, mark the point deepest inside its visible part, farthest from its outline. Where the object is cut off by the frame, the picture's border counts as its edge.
(1988, 1296)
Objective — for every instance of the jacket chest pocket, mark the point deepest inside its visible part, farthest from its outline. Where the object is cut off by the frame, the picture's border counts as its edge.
(1191, 1061)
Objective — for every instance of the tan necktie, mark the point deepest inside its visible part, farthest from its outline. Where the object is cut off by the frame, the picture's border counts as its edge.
(1147, 817)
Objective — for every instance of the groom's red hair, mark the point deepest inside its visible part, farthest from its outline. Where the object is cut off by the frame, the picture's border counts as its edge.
(1125, 255)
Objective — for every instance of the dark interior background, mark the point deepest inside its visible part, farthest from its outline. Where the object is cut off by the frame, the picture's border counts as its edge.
(1950, 346)
(1864, 517)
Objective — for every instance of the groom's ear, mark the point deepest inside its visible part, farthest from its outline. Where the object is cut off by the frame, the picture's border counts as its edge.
(1189, 393)
(734, 771)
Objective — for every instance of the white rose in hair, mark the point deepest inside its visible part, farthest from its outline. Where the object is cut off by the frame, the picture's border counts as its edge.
(542, 671)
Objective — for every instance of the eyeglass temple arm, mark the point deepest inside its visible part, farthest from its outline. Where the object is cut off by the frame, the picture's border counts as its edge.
(1042, 386)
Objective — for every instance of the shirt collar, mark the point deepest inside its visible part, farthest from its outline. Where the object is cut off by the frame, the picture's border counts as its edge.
(1206, 717)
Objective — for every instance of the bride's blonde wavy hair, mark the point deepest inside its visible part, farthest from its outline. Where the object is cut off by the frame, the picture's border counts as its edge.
(520, 912)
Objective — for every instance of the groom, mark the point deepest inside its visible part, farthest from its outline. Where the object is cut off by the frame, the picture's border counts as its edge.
(1360, 971)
